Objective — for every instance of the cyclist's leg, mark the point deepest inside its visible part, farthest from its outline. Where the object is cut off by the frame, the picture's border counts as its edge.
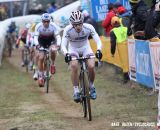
(91, 71)
(36, 57)
(41, 69)
(31, 50)
(22, 56)
(22, 51)
(53, 57)
(14, 38)
(74, 74)
(41, 61)
(75, 80)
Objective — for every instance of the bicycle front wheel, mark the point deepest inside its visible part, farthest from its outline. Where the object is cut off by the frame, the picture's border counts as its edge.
(83, 91)
(26, 59)
(47, 76)
(86, 87)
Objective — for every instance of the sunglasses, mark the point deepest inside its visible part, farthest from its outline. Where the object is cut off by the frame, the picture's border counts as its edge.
(75, 25)
(46, 21)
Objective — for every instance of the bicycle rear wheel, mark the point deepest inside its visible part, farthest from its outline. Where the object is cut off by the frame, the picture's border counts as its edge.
(86, 87)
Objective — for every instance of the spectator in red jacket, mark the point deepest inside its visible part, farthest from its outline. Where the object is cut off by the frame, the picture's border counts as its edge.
(120, 9)
(106, 24)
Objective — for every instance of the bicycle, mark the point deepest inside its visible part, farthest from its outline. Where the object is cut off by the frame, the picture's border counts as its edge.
(84, 86)
(26, 57)
(9, 44)
(47, 65)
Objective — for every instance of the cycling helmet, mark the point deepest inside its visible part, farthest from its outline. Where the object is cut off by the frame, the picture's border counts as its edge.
(134, 1)
(46, 17)
(28, 25)
(13, 22)
(76, 17)
(115, 20)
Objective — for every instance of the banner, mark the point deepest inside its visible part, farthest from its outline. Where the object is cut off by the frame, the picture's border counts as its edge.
(106, 47)
(131, 55)
(100, 8)
(155, 58)
(144, 74)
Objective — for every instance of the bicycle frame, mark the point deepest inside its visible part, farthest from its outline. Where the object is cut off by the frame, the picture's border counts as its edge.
(47, 64)
(84, 86)
(26, 57)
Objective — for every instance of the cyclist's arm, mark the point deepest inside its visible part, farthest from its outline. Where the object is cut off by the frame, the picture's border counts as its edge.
(64, 42)
(96, 38)
(57, 31)
(36, 35)
(18, 40)
(58, 37)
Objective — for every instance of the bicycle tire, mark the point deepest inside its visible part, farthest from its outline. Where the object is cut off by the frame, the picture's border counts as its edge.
(9, 48)
(83, 97)
(47, 78)
(86, 84)
(26, 60)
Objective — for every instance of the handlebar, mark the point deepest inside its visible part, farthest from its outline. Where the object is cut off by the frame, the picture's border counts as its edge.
(44, 49)
(82, 58)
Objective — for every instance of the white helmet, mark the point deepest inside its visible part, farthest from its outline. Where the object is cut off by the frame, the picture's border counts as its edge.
(76, 17)
(28, 25)
(46, 17)
(157, 6)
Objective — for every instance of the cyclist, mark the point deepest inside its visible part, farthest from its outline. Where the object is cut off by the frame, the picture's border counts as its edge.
(30, 44)
(76, 34)
(23, 37)
(11, 32)
(46, 36)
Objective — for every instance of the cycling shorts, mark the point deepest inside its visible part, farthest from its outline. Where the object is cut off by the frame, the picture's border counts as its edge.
(46, 42)
(85, 51)
(23, 40)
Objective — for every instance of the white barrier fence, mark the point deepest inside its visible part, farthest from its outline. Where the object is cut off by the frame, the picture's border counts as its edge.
(20, 21)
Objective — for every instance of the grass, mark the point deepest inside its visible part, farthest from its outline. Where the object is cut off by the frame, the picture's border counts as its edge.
(21, 105)
(116, 101)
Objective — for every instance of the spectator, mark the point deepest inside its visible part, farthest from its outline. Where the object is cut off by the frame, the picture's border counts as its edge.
(118, 36)
(3, 14)
(51, 7)
(120, 9)
(106, 24)
(37, 9)
(152, 22)
(88, 19)
(138, 18)
(123, 13)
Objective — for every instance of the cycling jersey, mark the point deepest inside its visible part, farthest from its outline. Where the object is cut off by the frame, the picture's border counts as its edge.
(23, 36)
(78, 41)
(47, 36)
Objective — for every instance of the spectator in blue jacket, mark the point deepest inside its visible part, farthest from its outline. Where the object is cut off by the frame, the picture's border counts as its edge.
(52, 8)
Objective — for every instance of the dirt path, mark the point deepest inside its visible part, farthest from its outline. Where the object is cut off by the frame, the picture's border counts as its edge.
(71, 112)
(115, 103)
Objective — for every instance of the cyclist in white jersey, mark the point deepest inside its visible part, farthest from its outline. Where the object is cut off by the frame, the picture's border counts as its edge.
(46, 36)
(76, 34)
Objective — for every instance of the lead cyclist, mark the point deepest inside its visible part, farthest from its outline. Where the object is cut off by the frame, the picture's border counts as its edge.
(76, 36)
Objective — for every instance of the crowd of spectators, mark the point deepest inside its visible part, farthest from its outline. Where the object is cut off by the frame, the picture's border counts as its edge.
(3, 12)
